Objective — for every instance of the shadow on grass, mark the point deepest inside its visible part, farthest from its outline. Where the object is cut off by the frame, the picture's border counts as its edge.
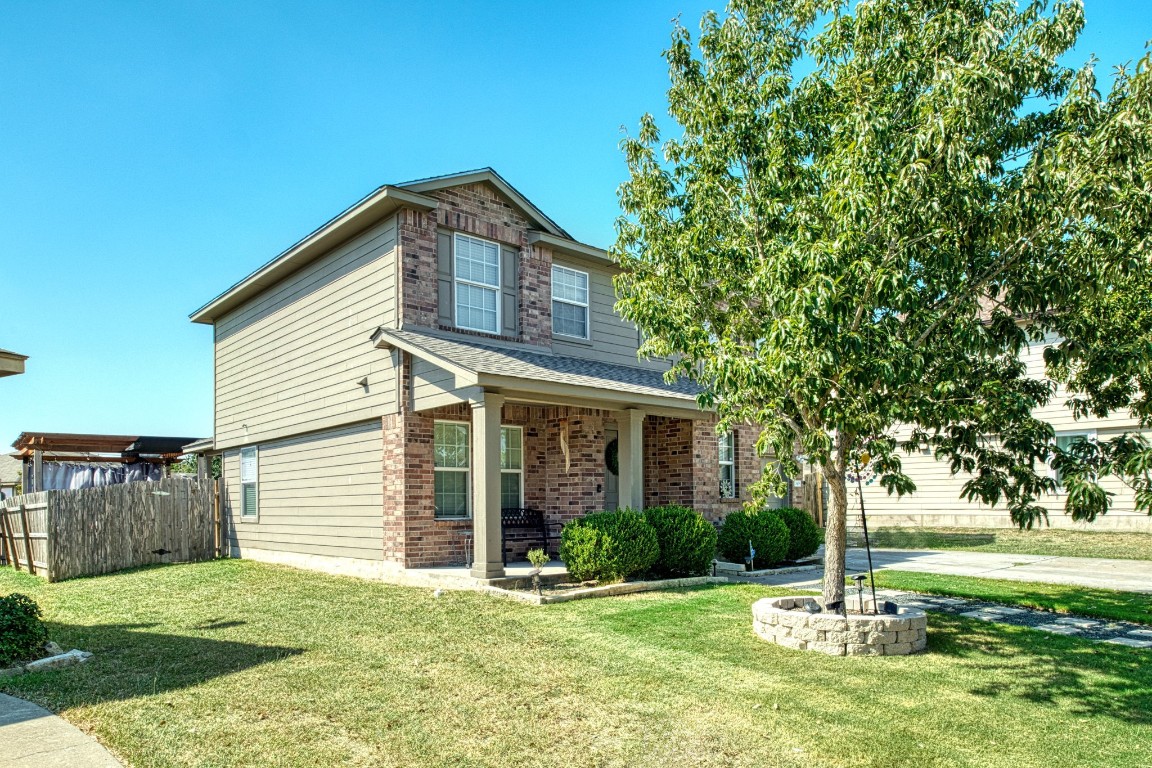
(131, 661)
(1086, 677)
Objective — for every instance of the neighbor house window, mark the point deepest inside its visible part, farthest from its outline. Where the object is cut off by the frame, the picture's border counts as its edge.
(1064, 441)
(477, 284)
(569, 302)
(451, 461)
(511, 467)
(727, 466)
(249, 472)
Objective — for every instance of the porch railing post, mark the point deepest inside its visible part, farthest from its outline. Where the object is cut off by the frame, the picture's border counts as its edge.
(486, 416)
(630, 424)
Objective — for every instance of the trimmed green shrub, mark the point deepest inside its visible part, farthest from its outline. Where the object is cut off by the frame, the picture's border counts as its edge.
(804, 536)
(765, 529)
(608, 546)
(22, 633)
(687, 541)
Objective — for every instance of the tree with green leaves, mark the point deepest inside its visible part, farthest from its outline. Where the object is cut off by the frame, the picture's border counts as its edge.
(868, 210)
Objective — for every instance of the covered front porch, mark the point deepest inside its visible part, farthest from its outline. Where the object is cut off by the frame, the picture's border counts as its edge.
(474, 445)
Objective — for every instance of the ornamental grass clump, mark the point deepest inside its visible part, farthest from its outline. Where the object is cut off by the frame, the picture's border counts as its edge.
(766, 531)
(608, 546)
(687, 541)
(22, 633)
(804, 536)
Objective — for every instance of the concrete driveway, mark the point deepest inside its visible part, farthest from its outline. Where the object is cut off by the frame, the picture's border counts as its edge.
(1122, 575)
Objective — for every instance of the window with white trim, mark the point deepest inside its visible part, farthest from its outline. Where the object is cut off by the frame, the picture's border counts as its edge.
(1064, 441)
(727, 466)
(477, 284)
(511, 467)
(569, 302)
(249, 479)
(452, 465)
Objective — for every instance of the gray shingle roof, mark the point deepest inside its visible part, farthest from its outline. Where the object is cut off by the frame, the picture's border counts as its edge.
(532, 365)
(10, 469)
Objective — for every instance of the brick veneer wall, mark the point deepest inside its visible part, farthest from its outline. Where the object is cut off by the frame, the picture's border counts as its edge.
(682, 465)
(477, 209)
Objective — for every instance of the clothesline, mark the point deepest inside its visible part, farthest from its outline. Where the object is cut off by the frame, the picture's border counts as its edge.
(74, 477)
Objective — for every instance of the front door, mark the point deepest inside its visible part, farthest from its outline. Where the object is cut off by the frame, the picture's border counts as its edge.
(611, 479)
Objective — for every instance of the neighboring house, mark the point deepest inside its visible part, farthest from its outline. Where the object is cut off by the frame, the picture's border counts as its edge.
(11, 363)
(937, 501)
(10, 473)
(438, 352)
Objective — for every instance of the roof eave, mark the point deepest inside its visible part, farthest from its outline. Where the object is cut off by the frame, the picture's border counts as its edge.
(571, 247)
(368, 211)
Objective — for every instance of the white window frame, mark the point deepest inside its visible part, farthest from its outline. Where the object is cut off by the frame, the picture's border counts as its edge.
(457, 281)
(519, 471)
(466, 470)
(730, 438)
(254, 514)
(587, 306)
(1088, 434)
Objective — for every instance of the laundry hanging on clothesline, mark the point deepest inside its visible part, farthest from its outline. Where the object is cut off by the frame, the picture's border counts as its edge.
(60, 476)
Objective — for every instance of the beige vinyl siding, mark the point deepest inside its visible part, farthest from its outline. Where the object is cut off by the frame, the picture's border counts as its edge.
(319, 494)
(614, 339)
(289, 360)
(434, 387)
(1057, 412)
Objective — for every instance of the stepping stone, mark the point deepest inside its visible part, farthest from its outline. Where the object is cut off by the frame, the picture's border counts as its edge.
(949, 601)
(1142, 633)
(890, 593)
(1005, 611)
(916, 604)
(1128, 641)
(1080, 623)
(982, 615)
(1057, 629)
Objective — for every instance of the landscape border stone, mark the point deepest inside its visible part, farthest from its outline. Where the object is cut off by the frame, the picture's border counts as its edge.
(787, 621)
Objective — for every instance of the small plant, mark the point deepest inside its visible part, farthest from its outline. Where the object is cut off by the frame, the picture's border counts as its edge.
(804, 536)
(539, 558)
(22, 633)
(687, 541)
(766, 531)
(608, 546)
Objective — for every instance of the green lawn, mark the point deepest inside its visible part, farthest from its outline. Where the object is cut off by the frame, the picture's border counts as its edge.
(1099, 603)
(1041, 541)
(235, 663)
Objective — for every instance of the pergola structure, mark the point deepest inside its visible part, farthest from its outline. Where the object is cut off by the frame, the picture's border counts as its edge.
(35, 448)
(11, 363)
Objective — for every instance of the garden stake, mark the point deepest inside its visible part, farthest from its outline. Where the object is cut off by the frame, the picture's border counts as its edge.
(867, 544)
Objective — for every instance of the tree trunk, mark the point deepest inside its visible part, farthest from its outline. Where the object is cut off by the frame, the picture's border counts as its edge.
(835, 535)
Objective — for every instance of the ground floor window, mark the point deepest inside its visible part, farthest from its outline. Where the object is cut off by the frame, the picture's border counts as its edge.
(451, 459)
(1064, 441)
(727, 466)
(511, 467)
(249, 474)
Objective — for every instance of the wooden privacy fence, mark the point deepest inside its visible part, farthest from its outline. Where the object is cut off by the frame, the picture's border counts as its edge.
(66, 534)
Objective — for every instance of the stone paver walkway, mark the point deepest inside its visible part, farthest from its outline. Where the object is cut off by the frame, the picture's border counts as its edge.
(33, 737)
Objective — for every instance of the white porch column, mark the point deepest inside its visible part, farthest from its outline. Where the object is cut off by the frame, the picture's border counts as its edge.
(630, 424)
(488, 562)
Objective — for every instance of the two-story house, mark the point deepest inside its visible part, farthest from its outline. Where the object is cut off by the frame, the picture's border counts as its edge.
(438, 352)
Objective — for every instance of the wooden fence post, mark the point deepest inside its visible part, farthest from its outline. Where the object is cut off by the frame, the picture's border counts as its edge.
(7, 534)
(217, 520)
(27, 540)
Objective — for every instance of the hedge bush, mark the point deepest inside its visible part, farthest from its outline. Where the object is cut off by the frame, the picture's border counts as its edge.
(608, 546)
(765, 529)
(22, 633)
(687, 541)
(804, 536)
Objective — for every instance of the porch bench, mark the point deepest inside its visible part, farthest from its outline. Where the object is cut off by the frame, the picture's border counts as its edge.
(524, 519)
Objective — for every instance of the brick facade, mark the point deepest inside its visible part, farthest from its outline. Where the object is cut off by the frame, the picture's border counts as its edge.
(480, 210)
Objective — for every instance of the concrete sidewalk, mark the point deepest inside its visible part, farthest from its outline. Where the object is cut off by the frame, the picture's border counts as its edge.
(33, 737)
(1122, 575)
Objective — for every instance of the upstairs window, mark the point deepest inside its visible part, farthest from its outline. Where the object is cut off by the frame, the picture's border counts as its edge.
(569, 302)
(727, 466)
(477, 284)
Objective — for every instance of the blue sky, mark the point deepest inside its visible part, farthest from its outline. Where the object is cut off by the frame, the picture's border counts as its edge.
(156, 152)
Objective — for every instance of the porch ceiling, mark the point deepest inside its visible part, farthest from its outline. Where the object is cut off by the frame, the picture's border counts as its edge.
(537, 376)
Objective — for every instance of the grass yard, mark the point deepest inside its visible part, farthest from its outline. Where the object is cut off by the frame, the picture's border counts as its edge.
(1040, 541)
(1083, 601)
(235, 663)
